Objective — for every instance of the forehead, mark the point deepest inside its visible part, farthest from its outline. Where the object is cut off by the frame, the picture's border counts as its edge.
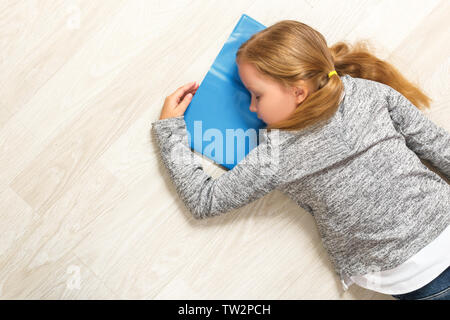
(249, 75)
(248, 71)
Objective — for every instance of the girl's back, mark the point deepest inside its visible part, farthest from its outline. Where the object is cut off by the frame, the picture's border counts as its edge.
(374, 201)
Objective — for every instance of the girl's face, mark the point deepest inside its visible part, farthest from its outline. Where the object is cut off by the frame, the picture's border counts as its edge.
(271, 101)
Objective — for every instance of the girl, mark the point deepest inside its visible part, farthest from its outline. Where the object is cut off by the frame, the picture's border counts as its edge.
(349, 137)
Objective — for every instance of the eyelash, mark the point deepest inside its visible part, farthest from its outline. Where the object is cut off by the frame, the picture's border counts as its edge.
(257, 97)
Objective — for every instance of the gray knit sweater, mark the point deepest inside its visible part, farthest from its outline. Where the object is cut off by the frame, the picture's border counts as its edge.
(374, 202)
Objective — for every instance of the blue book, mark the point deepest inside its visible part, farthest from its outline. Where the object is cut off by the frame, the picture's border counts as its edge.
(218, 118)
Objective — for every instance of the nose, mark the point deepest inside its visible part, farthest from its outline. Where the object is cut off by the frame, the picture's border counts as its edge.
(254, 110)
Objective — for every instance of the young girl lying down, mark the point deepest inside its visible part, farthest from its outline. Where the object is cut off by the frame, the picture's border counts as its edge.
(348, 134)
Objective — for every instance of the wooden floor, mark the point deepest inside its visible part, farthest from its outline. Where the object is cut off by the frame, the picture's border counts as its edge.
(87, 209)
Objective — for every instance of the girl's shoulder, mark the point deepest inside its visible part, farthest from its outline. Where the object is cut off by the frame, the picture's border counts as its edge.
(360, 86)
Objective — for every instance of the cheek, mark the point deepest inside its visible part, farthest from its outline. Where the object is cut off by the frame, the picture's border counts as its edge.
(271, 104)
(286, 103)
(268, 110)
(276, 108)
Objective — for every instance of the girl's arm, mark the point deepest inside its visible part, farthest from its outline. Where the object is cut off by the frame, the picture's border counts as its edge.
(204, 196)
(424, 137)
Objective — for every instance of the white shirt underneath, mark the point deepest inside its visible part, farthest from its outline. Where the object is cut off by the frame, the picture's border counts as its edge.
(414, 273)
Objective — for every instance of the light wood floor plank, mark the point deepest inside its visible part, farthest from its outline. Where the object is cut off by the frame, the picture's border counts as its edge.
(88, 210)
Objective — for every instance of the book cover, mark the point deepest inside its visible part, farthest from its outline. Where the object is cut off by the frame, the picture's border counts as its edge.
(218, 120)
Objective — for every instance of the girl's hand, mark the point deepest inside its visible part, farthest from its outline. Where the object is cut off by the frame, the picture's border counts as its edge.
(176, 104)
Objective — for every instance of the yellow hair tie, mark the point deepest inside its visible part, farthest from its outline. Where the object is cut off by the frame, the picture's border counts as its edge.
(331, 73)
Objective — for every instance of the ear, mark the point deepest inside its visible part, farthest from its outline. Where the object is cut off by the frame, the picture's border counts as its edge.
(300, 93)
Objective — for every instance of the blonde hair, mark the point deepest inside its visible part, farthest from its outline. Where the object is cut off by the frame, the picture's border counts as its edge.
(289, 51)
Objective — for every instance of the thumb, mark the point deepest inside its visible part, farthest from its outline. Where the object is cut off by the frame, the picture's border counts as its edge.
(185, 102)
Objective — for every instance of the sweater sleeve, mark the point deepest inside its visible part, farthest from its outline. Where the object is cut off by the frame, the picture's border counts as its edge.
(250, 179)
(429, 141)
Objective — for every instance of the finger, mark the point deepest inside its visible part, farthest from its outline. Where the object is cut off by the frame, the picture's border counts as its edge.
(182, 106)
(183, 89)
(192, 90)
